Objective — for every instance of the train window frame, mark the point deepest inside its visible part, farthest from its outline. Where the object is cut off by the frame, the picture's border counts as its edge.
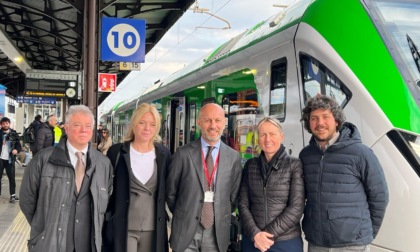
(274, 94)
(328, 81)
(405, 143)
(208, 100)
(192, 110)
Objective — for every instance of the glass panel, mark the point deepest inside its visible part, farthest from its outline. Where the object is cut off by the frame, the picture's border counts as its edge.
(278, 89)
(409, 146)
(399, 21)
(191, 124)
(241, 113)
(318, 79)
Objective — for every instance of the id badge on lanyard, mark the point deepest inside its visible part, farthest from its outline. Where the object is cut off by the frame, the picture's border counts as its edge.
(209, 195)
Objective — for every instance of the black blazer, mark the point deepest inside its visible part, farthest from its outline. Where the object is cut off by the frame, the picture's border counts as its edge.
(116, 223)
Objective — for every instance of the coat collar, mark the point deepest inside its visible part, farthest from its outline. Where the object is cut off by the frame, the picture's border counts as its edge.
(195, 153)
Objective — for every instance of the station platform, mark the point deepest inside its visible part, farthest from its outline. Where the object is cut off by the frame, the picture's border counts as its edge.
(14, 229)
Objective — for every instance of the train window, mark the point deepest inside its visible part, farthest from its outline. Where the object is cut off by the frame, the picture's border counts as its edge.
(278, 89)
(191, 122)
(318, 79)
(241, 110)
(409, 146)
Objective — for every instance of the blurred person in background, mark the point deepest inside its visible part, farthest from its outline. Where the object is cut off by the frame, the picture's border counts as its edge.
(8, 149)
(45, 134)
(35, 124)
(58, 132)
(106, 141)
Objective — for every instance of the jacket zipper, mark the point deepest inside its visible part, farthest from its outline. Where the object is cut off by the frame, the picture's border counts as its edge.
(321, 164)
(265, 206)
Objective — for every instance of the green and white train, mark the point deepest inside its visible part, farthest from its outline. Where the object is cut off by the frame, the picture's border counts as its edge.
(364, 53)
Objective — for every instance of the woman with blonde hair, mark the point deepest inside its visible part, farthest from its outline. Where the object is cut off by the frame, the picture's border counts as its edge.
(272, 195)
(136, 217)
(106, 141)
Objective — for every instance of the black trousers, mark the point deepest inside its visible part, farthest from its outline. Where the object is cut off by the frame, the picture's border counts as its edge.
(10, 171)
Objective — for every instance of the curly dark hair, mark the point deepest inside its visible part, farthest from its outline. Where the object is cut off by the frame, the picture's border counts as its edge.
(322, 102)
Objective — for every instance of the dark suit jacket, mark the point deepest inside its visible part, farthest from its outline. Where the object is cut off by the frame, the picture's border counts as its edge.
(116, 224)
(185, 185)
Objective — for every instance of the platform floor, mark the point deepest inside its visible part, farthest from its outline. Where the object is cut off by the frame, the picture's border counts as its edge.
(14, 229)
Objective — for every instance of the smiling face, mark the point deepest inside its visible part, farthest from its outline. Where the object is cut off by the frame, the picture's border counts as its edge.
(322, 125)
(145, 129)
(211, 122)
(270, 138)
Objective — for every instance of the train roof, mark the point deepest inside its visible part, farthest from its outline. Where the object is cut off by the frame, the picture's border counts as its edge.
(256, 34)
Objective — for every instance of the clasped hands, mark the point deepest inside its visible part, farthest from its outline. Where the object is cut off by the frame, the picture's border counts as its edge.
(263, 241)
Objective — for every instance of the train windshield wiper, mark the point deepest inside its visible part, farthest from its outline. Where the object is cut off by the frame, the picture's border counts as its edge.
(414, 52)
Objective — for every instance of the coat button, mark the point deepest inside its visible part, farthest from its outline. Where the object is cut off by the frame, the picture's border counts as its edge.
(201, 201)
(196, 217)
(160, 218)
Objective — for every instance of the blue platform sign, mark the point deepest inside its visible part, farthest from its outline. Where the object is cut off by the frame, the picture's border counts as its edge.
(36, 100)
(123, 40)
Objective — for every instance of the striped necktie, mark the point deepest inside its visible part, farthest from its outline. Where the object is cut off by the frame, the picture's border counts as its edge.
(207, 213)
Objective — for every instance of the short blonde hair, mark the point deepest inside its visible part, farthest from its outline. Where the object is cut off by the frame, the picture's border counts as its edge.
(135, 119)
(271, 120)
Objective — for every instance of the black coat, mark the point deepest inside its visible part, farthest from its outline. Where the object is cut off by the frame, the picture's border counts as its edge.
(272, 202)
(115, 230)
(44, 138)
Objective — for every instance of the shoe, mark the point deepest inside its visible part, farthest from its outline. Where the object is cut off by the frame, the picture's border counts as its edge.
(13, 198)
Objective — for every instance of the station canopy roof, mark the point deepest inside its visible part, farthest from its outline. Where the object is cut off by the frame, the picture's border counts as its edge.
(49, 34)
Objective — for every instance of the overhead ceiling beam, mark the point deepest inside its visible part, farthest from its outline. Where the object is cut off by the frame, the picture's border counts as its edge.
(9, 49)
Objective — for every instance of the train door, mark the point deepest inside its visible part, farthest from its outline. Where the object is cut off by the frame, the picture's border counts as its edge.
(176, 123)
(241, 110)
(283, 97)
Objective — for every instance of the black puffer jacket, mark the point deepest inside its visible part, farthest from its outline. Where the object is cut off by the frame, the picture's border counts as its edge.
(44, 138)
(346, 192)
(274, 202)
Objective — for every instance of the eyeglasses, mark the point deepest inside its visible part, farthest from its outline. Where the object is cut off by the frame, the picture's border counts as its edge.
(104, 132)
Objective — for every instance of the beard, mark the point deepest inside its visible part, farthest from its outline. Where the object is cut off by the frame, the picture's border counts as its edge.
(209, 138)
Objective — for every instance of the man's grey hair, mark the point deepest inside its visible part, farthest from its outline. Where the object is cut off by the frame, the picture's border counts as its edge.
(82, 109)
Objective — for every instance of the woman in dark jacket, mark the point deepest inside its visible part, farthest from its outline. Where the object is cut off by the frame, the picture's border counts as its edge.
(136, 216)
(271, 198)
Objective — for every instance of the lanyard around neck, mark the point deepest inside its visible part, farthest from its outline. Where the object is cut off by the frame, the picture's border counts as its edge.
(206, 170)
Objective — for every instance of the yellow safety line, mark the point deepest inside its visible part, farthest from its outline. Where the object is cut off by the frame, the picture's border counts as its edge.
(16, 236)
